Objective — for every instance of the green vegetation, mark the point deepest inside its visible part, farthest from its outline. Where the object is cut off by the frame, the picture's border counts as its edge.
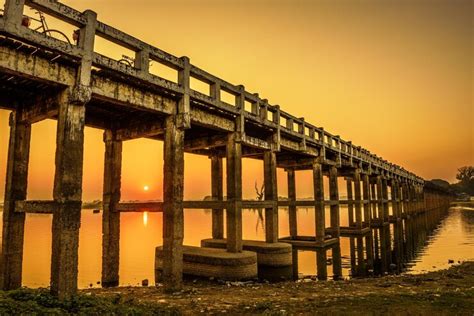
(39, 302)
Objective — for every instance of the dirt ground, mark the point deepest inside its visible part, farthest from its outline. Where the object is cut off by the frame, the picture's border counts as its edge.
(444, 292)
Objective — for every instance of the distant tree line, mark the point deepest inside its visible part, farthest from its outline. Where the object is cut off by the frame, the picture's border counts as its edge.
(465, 184)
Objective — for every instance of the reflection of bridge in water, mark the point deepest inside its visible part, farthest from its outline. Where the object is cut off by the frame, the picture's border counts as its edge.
(43, 77)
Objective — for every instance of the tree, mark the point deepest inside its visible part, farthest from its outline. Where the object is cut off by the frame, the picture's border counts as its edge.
(466, 179)
(465, 174)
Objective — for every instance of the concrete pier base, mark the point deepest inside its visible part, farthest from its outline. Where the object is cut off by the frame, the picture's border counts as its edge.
(212, 262)
(274, 259)
(309, 242)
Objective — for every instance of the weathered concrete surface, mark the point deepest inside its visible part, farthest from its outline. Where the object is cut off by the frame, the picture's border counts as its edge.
(234, 193)
(111, 215)
(217, 194)
(67, 194)
(211, 262)
(15, 190)
(173, 216)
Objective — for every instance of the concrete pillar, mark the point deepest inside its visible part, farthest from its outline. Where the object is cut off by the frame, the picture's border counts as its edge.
(395, 199)
(334, 197)
(173, 183)
(217, 194)
(111, 216)
(320, 214)
(271, 194)
(385, 200)
(367, 203)
(373, 204)
(67, 194)
(350, 205)
(358, 198)
(234, 193)
(15, 190)
(292, 199)
(321, 263)
(335, 222)
(380, 205)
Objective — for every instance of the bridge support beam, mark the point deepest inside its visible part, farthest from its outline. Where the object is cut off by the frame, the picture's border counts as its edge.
(218, 195)
(173, 217)
(358, 198)
(67, 194)
(111, 216)
(366, 191)
(380, 204)
(320, 216)
(350, 205)
(335, 221)
(234, 193)
(385, 200)
(15, 190)
(292, 212)
(271, 194)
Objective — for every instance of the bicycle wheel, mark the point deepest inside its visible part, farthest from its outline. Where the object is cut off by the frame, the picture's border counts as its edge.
(57, 35)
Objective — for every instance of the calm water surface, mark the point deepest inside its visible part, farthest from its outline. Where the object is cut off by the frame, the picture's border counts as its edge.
(452, 239)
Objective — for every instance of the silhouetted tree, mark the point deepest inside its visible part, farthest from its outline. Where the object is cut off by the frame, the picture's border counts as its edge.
(465, 176)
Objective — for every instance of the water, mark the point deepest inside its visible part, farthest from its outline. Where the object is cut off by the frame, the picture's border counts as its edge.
(429, 249)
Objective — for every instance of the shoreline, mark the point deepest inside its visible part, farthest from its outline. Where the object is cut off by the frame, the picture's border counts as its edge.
(448, 291)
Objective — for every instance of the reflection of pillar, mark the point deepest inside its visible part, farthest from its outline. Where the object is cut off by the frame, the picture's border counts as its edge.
(234, 194)
(271, 194)
(15, 190)
(320, 216)
(358, 198)
(217, 194)
(67, 194)
(292, 207)
(173, 216)
(111, 216)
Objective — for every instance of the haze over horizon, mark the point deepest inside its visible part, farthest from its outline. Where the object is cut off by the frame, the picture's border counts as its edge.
(394, 77)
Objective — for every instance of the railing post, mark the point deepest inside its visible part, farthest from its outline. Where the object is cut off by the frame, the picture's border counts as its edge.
(13, 15)
(184, 103)
(111, 216)
(15, 190)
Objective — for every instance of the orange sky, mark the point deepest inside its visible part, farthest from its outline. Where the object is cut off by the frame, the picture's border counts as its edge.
(393, 76)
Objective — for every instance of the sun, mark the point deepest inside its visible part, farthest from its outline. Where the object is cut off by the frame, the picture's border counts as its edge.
(146, 188)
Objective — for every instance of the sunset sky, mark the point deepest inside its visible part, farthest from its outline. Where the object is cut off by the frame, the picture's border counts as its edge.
(395, 77)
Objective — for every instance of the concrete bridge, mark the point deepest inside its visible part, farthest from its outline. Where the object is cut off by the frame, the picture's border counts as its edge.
(44, 77)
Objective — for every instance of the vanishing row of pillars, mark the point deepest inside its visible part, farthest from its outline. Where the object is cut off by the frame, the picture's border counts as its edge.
(68, 190)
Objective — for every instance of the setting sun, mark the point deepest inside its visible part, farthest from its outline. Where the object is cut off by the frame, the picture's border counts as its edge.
(146, 188)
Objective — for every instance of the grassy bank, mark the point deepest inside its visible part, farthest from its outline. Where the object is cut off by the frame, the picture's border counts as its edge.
(437, 293)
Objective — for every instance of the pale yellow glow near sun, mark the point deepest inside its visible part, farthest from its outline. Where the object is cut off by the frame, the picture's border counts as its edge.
(146, 188)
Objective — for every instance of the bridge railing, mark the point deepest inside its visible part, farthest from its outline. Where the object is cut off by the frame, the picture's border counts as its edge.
(260, 110)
